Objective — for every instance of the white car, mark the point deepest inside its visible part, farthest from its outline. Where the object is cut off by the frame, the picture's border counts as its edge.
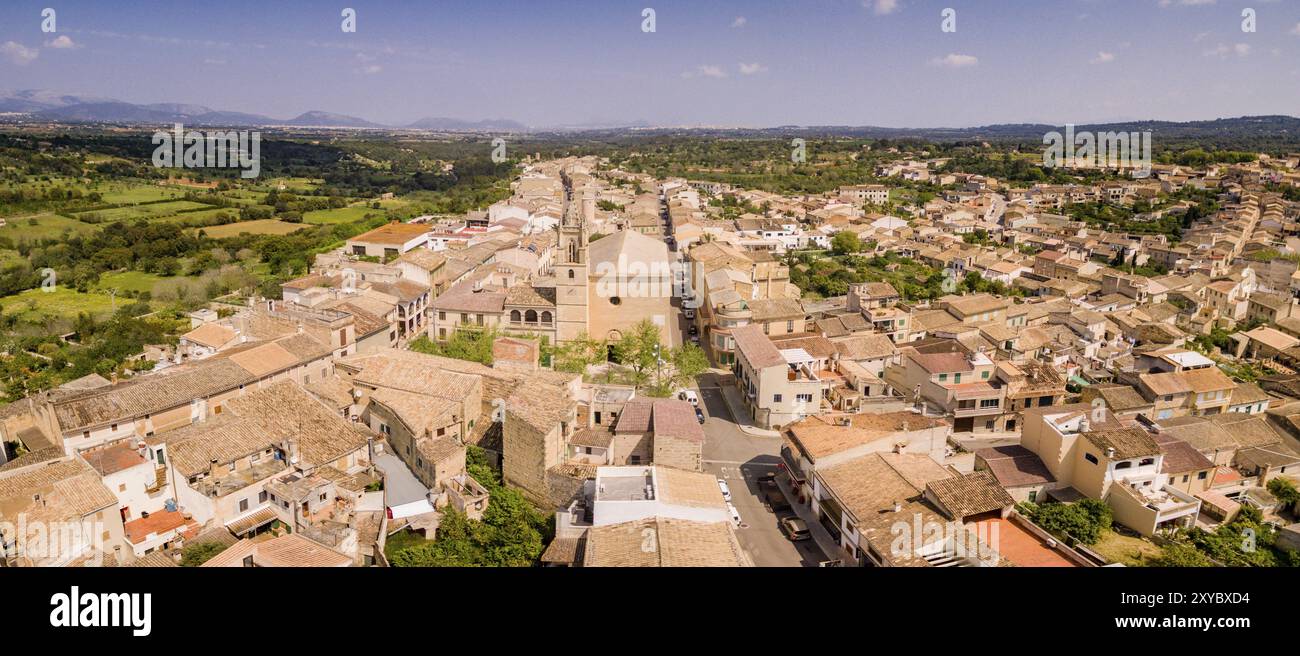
(726, 491)
(735, 514)
(689, 395)
(689, 314)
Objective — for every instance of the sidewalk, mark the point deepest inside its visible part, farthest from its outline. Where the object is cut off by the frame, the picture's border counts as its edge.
(736, 406)
(830, 548)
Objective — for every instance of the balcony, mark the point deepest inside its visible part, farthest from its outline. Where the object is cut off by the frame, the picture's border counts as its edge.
(976, 411)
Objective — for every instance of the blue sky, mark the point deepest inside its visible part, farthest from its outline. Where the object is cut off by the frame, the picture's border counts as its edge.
(720, 62)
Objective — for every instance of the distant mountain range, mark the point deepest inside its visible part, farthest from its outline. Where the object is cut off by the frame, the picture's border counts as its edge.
(48, 105)
(40, 104)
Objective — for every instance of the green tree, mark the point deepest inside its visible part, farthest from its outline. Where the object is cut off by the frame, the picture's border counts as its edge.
(640, 349)
(688, 362)
(196, 554)
(846, 243)
(575, 356)
(1284, 490)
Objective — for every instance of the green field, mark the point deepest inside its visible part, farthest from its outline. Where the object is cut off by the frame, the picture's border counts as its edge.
(352, 213)
(118, 193)
(35, 305)
(48, 226)
(153, 210)
(137, 281)
(262, 227)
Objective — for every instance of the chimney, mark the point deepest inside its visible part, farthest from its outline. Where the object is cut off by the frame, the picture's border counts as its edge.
(1110, 452)
(212, 467)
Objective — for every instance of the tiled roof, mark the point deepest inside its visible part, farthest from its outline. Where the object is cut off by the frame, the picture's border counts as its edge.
(664, 542)
(673, 418)
(757, 348)
(262, 419)
(1128, 443)
(1015, 466)
(970, 494)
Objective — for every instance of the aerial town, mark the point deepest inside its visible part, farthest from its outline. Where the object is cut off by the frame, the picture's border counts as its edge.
(873, 284)
(633, 370)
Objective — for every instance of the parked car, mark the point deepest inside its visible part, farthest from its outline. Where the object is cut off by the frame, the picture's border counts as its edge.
(795, 529)
(767, 478)
(699, 415)
(726, 491)
(695, 339)
(689, 395)
(689, 313)
(775, 499)
(735, 514)
(694, 329)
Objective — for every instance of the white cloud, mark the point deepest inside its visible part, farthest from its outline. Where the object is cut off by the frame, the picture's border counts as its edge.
(739, 22)
(705, 71)
(62, 42)
(1104, 57)
(18, 54)
(1185, 3)
(955, 61)
(1224, 50)
(752, 69)
(881, 7)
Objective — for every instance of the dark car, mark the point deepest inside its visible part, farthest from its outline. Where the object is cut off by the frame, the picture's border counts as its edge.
(795, 529)
(699, 415)
(775, 499)
(694, 329)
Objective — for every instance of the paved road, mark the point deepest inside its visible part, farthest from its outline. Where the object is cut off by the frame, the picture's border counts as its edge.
(400, 485)
(740, 459)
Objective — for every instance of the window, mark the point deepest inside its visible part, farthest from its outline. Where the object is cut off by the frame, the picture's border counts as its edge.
(232, 466)
(530, 316)
(956, 378)
(262, 496)
(442, 316)
(984, 375)
(243, 505)
(1123, 465)
(1201, 476)
(789, 326)
(1090, 458)
(1147, 461)
(806, 398)
(943, 377)
(570, 274)
(514, 316)
(546, 318)
(776, 398)
(322, 496)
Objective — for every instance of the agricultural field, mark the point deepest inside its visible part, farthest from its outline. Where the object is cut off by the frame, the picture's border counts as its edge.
(47, 226)
(119, 193)
(354, 212)
(262, 227)
(134, 281)
(36, 306)
(150, 211)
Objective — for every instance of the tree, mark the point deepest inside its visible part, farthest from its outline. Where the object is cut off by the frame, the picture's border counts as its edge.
(1285, 491)
(640, 349)
(688, 361)
(846, 243)
(575, 356)
(196, 554)
(1083, 520)
(1181, 554)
